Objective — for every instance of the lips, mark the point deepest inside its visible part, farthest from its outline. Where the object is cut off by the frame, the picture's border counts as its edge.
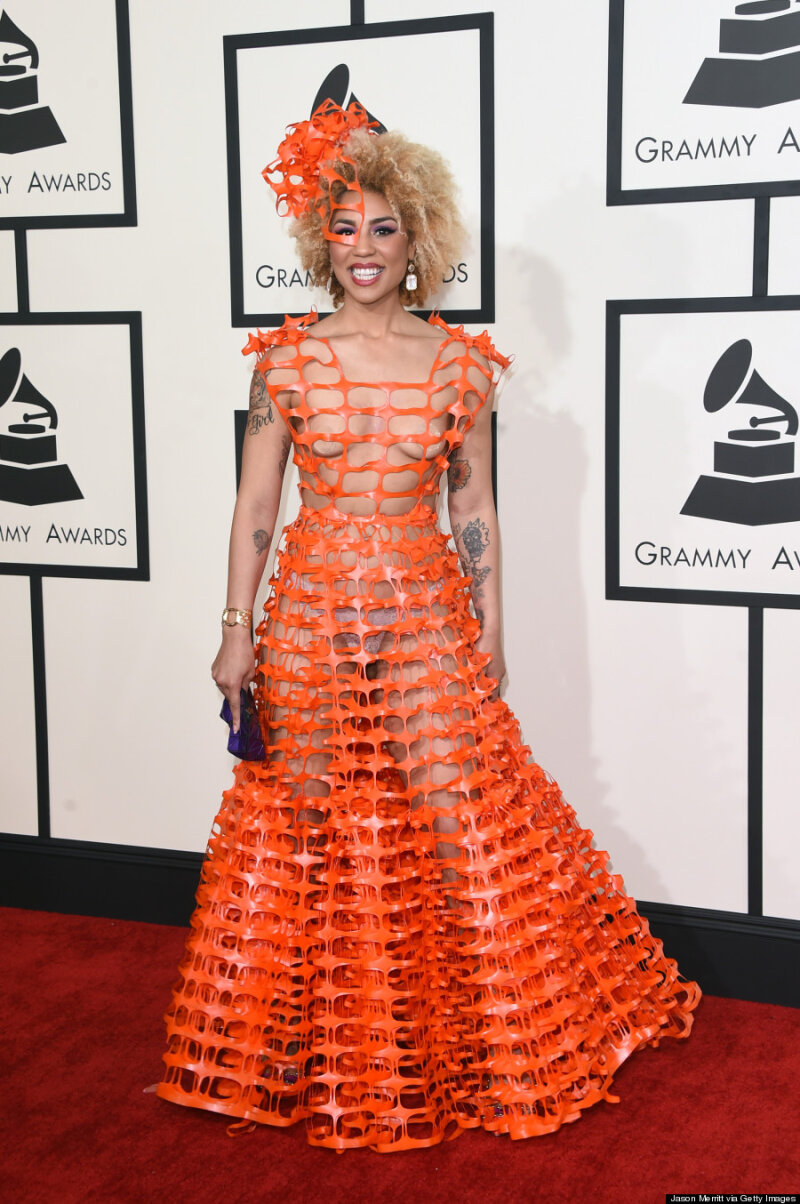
(365, 273)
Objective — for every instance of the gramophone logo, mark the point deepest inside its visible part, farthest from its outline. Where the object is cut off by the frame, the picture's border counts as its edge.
(754, 481)
(25, 124)
(30, 473)
(336, 87)
(759, 58)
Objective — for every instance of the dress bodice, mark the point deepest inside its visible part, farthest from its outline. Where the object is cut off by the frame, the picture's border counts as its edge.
(373, 447)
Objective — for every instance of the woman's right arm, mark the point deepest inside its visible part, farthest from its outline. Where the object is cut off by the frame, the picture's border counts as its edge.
(267, 444)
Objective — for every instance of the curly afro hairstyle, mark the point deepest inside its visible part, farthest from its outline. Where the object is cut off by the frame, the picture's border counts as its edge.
(420, 189)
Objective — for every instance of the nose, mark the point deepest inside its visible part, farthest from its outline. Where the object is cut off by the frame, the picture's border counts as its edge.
(366, 241)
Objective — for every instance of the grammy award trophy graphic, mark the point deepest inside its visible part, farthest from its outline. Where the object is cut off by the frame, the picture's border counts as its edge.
(30, 473)
(336, 87)
(759, 58)
(25, 124)
(754, 481)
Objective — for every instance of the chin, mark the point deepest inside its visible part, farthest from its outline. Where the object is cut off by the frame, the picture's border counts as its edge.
(367, 295)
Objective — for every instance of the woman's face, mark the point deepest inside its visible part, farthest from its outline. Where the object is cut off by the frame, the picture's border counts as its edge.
(374, 264)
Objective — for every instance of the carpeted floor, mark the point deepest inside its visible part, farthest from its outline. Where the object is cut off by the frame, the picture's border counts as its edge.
(83, 1038)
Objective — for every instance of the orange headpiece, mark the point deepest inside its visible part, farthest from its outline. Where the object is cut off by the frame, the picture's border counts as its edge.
(308, 156)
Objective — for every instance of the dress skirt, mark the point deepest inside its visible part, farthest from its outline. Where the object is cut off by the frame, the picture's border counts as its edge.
(402, 931)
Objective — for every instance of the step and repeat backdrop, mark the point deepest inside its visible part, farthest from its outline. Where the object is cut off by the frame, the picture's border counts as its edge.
(631, 215)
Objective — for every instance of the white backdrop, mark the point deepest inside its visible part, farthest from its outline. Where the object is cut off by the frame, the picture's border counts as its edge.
(639, 710)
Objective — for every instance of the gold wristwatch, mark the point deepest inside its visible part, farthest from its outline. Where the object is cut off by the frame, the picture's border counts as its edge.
(231, 617)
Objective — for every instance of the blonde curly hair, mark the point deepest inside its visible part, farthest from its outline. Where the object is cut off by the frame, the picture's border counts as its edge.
(420, 189)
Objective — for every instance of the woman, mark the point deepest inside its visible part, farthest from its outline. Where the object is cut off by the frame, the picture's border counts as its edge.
(401, 930)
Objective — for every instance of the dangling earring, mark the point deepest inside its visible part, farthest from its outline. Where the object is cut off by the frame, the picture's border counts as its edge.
(411, 276)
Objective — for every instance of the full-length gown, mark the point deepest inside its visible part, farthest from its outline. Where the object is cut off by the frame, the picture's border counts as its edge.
(401, 929)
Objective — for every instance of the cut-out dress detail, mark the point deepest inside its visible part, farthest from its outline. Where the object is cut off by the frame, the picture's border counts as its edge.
(401, 929)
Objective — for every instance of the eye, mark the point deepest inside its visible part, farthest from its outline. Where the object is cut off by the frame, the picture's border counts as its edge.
(385, 230)
(343, 228)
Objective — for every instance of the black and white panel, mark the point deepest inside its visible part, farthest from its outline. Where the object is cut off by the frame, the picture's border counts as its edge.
(273, 80)
(72, 465)
(704, 99)
(66, 135)
(704, 483)
(702, 416)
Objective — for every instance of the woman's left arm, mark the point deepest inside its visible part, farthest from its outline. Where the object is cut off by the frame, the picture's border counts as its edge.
(473, 520)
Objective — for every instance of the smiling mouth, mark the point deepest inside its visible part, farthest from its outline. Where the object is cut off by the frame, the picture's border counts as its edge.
(365, 275)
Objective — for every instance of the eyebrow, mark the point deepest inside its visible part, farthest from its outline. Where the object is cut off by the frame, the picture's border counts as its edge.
(373, 222)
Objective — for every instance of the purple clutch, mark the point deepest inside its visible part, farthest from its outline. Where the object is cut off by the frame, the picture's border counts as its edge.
(247, 744)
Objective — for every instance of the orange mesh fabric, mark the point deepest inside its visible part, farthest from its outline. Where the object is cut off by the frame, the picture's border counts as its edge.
(401, 929)
(305, 171)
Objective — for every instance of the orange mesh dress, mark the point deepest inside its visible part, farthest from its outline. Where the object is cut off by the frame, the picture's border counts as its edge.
(401, 930)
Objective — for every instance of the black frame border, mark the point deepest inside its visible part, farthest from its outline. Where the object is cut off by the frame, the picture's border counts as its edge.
(128, 216)
(232, 43)
(615, 193)
(133, 320)
(614, 313)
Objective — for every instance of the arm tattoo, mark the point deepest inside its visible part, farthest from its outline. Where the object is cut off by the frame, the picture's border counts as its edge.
(472, 541)
(261, 539)
(458, 474)
(259, 397)
(285, 449)
(257, 420)
(260, 405)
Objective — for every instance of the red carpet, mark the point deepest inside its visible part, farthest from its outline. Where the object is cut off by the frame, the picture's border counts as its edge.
(84, 999)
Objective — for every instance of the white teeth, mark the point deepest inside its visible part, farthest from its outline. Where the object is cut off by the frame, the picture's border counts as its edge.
(366, 273)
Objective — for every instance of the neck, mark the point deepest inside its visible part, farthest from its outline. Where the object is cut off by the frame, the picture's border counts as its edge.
(374, 319)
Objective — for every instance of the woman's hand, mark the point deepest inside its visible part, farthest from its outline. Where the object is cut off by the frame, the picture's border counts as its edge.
(234, 667)
(496, 667)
